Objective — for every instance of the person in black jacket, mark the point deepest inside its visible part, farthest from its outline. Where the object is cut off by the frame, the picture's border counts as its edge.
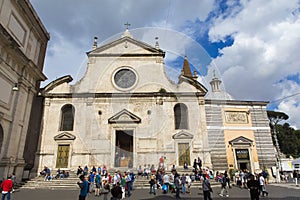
(253, 186)
(116, 192)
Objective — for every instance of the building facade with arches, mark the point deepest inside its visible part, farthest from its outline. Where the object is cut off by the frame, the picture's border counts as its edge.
(23, 42)
(125, 112)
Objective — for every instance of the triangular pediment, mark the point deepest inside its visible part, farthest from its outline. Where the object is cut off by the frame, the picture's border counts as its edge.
(124, 116)
(241, 141)
(65, 136)
(126, 46)
(183, 135)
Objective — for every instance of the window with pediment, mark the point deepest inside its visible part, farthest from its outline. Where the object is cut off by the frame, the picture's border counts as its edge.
(67, 118)
(181, 116)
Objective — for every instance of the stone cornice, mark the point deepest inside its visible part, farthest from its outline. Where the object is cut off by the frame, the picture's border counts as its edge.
(55, 83)
(192, 82)
(129, 55)
(236, 102)
(14, 46)
(33, 18)
(124, 95)
(153, 50)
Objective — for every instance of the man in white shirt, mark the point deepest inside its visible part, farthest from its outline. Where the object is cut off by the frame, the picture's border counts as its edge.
(166, 181)
(116, 178)
(262, 185)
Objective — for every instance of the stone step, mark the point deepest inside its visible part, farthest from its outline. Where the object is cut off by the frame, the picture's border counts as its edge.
(74, 186)
(70, 183)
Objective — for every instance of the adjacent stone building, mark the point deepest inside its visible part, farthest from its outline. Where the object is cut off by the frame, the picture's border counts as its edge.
(23, 42)
(125, 112)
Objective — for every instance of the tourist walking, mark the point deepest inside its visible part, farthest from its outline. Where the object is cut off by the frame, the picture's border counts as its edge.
(123, 185)
(227, 179)
(295, 176)
(166, 181)
(152, 183)
(183, 183)
(98, 184)
(224, 188)
(199, 162)
(79, 171)
(253, 186)
(92, 181)
(177, 183)
(84, 187)
(7, 186)
(188, 181)
(206, 188)
(262, 186)
(128, 183)
(195, 165)
(105, 186)
(85, 170)
(116, 192)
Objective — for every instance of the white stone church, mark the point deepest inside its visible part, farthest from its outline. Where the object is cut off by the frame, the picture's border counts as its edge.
(125, 112)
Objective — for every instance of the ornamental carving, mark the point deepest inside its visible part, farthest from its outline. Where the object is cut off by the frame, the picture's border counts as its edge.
(233, 117)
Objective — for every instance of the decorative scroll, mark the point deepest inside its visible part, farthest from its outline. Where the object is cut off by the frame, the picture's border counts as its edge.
(234, 117)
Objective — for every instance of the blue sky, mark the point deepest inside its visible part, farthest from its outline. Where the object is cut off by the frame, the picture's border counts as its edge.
(252, 45)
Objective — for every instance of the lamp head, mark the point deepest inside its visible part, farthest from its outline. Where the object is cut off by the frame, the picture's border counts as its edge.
(15, 88)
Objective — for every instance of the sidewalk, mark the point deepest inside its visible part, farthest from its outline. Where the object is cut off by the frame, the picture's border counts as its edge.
(276, 192)
(286, 185)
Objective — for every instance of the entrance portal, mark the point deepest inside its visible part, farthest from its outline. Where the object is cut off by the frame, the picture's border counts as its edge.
(243, 159)
(244, 165)
(62, 156)
(183, 153)
(124, 148)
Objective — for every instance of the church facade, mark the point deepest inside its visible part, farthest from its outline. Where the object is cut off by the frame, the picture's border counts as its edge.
(125, 112)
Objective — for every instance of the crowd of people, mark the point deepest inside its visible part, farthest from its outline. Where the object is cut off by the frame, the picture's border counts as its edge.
(100, 182)
(180, 184)
(48, 176)
(255, 183)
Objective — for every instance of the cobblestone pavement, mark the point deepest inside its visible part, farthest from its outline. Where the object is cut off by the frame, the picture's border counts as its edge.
(276, 192)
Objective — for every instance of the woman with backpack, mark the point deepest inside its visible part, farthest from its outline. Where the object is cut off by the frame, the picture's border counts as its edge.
(224, 190)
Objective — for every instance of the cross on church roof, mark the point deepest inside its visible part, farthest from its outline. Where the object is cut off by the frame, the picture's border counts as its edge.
(127, 25)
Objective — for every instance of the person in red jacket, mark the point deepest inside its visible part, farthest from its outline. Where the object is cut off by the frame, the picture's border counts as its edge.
(6, 186)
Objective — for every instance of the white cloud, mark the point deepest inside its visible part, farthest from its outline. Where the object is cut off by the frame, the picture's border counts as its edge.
(266, 45)
(266, 49)
(289, 100)
(266, 37)
(292, 109)
(77, 22)
(57, 54)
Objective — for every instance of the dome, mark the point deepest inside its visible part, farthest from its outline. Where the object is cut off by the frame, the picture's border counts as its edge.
(219, 95)
(216, 92)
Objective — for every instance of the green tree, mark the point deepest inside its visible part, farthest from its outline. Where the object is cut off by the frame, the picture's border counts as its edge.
(288, 139)
(275, 117)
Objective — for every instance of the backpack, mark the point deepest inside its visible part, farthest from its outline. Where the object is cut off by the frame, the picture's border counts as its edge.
(97, 180)
(223, 181)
